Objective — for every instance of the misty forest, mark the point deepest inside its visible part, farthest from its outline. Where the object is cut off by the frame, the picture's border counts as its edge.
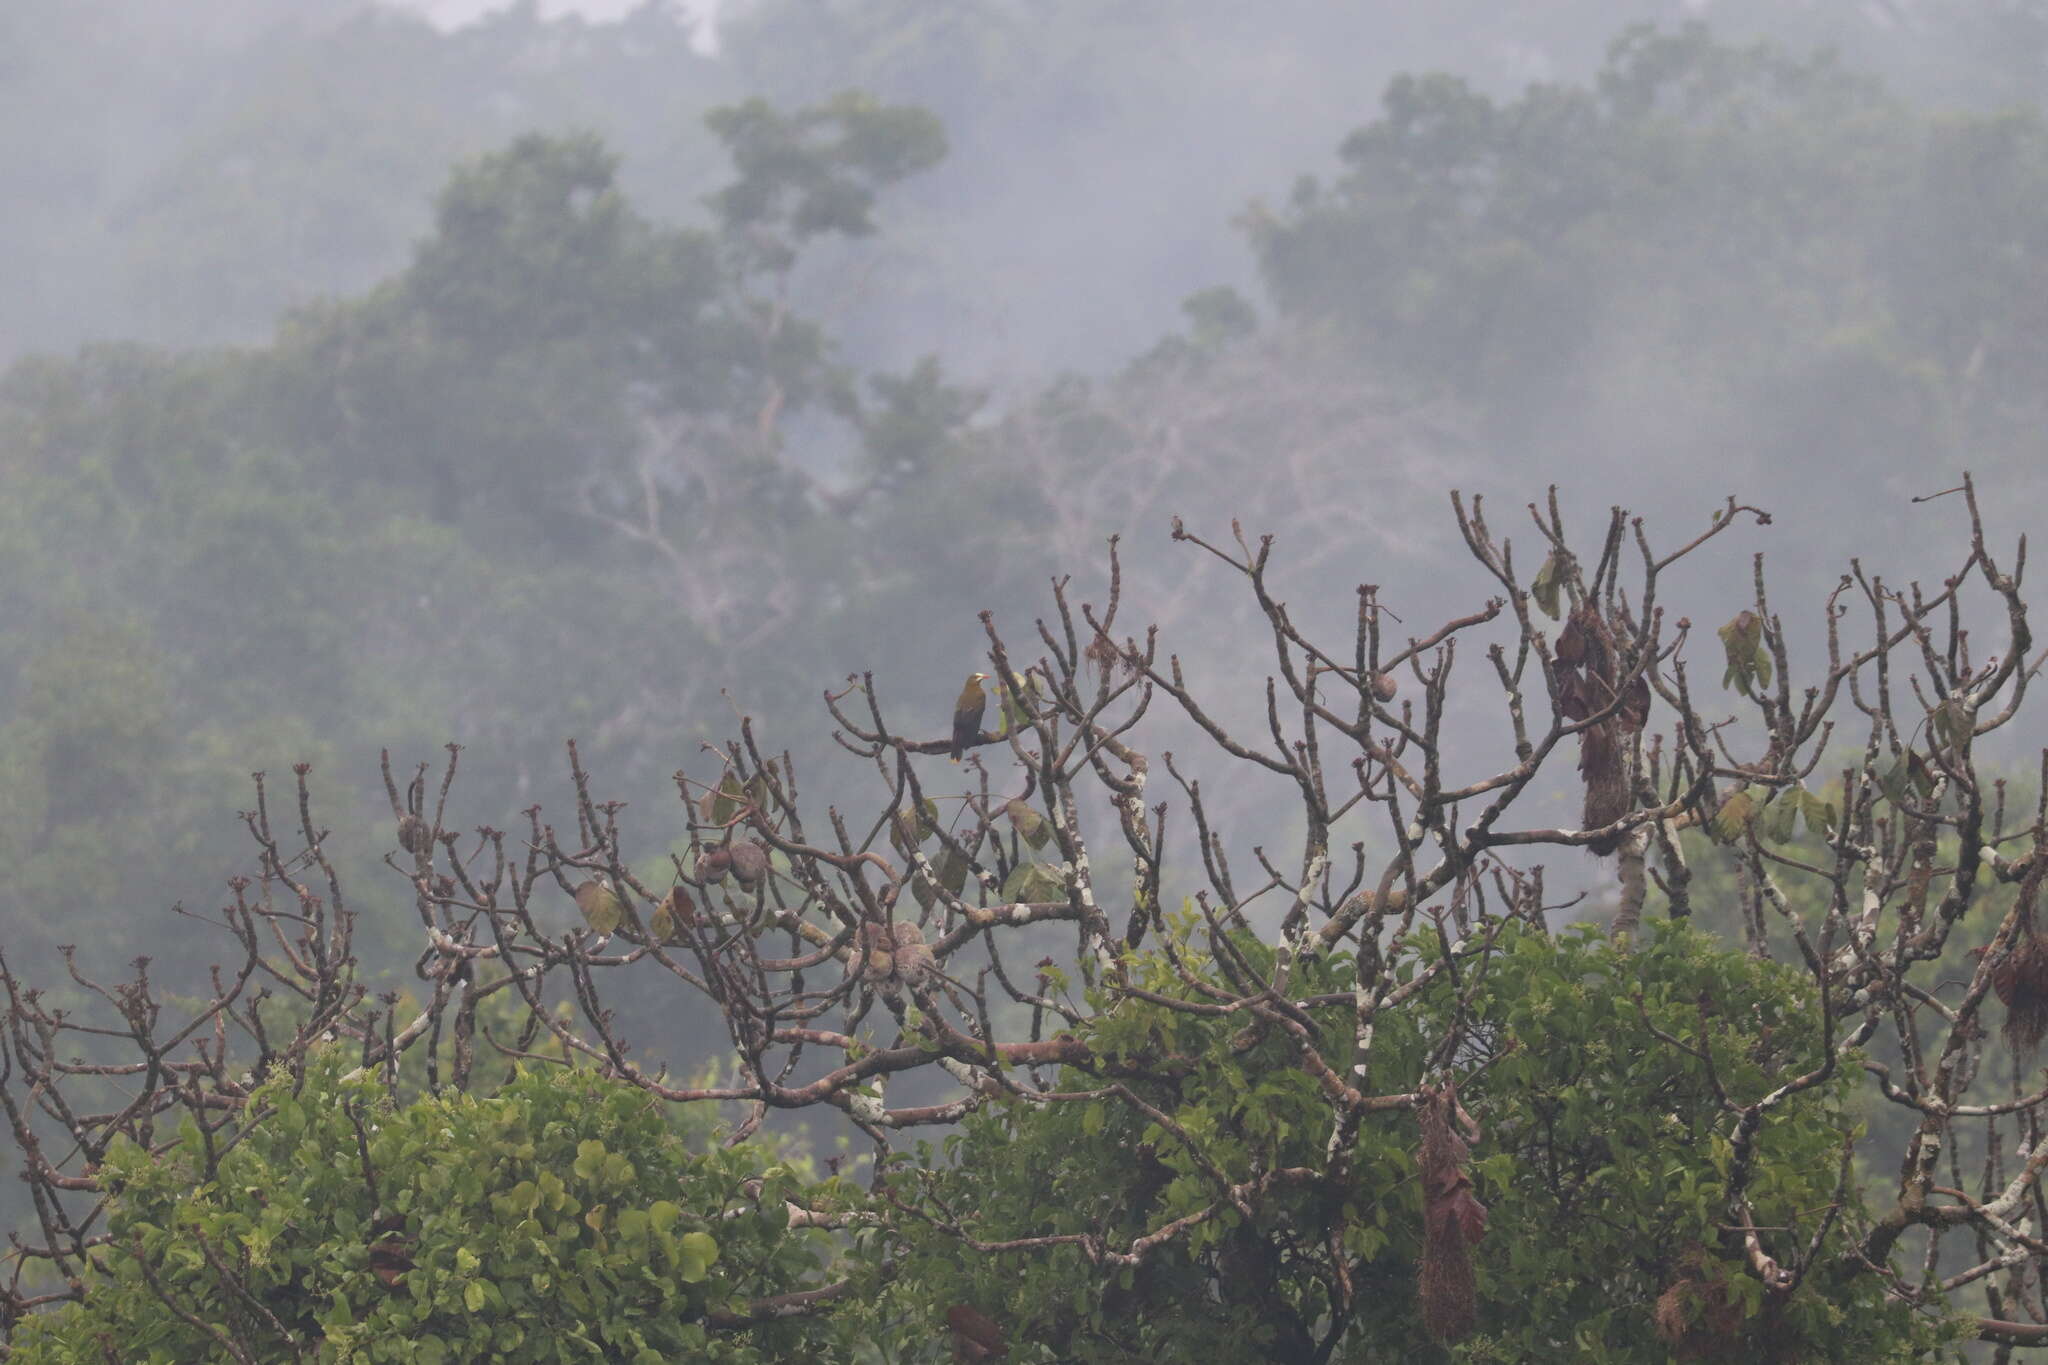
(880, 681)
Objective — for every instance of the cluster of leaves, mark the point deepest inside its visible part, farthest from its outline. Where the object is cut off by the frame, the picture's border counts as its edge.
(1602, 1165)
(564, 1217)
(561, 1219)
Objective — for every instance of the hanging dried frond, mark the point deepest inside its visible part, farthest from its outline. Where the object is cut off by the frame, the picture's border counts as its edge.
(2021, 981)
(1453, 1219)
(1604, 770)
(1588, 683)
(1104, 654)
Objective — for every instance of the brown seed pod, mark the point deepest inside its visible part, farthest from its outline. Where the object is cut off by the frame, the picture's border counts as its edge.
(713, 864)
(749, 862)
(1384, 687)
(414, 834)
(676, 913)
(913, 957)
(873, 957)
(1571, 643)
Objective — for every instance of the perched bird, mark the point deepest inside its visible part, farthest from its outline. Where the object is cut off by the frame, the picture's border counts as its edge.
(967, 714)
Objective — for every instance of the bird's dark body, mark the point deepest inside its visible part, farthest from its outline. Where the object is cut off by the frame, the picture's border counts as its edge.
(967, 714)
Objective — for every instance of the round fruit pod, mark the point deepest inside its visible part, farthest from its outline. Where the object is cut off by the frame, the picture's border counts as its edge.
(713, 864)
(749, 862)
(414, 835)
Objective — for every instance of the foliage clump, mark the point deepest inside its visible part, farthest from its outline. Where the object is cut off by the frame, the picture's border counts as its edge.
(1363, 1102)
(561, 1219)
(1602, 1168)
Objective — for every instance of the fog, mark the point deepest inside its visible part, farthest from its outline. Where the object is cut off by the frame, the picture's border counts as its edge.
(381, 377)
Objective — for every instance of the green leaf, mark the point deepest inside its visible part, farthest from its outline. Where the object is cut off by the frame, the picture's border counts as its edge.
(950, 869)
(718, 806)
(473, 1296)
(1018, 712)
(1893, 781)
(1819, 812)
(757, 787)
(1547, 585)
(1778, 817)
(1034, 882)
(904, 833)
(1951, 722)
(697, 1252)
(1028, 823)
(1734, 816)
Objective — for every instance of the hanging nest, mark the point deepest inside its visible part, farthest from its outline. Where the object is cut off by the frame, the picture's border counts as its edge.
(1700, 1317)
(1453, 1219)
(2021, 981)
(1586, 684)
(1696, 1315)
(2022, 985)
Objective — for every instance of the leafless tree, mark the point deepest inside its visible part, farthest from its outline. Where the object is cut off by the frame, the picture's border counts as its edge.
(852, 956)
